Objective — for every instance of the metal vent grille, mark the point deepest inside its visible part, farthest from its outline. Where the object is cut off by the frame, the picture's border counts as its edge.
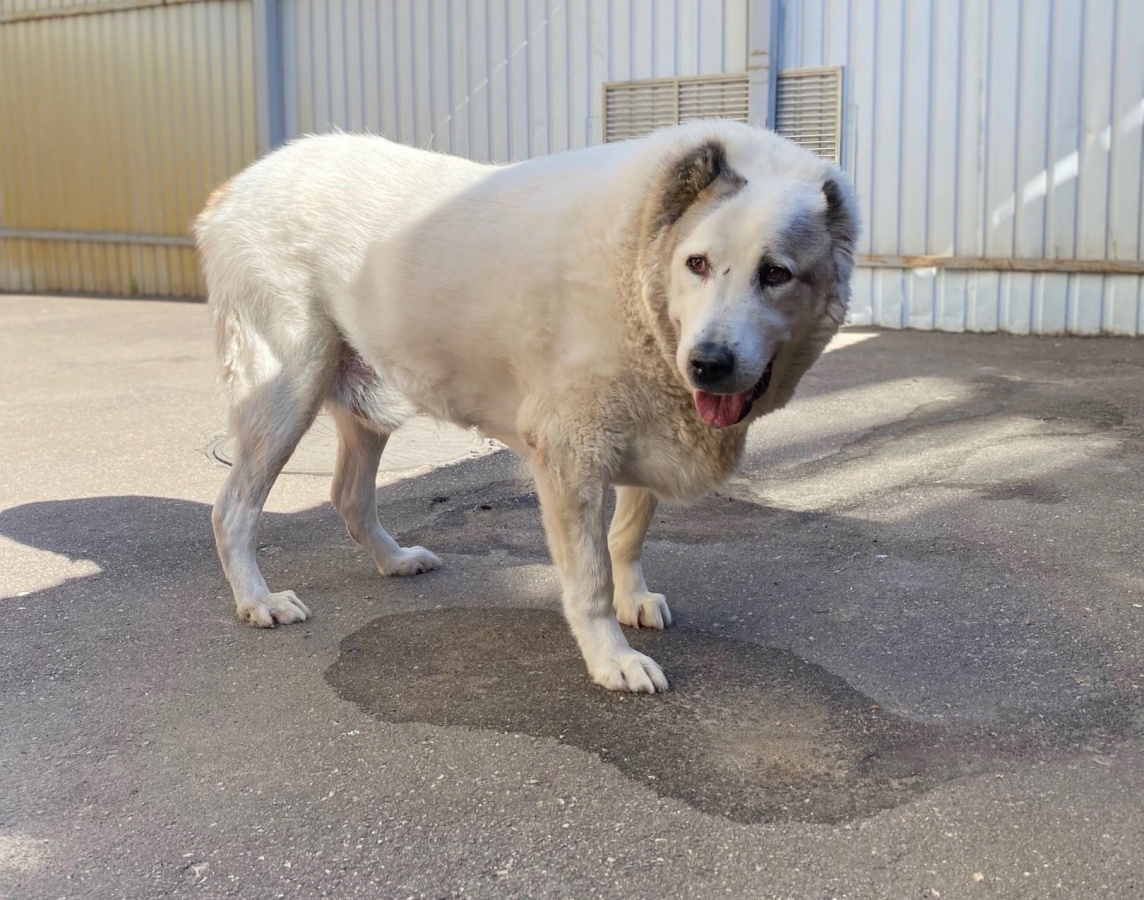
(633, 108)
(809, 109)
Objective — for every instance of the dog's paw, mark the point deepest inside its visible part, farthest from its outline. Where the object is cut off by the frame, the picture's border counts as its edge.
(410, 561)
(281, 608)
(642, 608)
(629, 671)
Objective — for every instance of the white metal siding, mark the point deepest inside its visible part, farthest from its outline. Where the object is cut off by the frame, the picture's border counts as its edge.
(1007, 129)
(491, 79)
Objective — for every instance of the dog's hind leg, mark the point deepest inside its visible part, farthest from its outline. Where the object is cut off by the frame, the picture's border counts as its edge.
(354, 495)
(267, 423)
(635, 605)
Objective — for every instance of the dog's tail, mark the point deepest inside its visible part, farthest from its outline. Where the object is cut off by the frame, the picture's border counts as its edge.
(224, 275)
(260, 290)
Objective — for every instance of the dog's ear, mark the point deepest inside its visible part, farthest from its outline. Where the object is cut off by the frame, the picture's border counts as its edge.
(841, 217)
(689, 176)
(842, 226)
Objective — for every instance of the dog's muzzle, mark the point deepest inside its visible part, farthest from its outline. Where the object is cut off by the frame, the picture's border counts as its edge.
(759, 389)
(725, 410)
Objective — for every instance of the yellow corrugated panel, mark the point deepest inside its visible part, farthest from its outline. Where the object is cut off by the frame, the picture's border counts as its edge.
(117, 125)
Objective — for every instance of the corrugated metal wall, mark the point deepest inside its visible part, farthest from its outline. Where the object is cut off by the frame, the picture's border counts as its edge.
(989, 135)
(491, 79)
(120, 116)
(116, 125)
(1007, 129)
(35, 8)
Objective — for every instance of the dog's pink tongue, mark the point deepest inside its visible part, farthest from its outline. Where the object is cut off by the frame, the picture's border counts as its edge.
(720, 410)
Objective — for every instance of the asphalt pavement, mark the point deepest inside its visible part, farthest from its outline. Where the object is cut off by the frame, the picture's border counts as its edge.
(908, 659)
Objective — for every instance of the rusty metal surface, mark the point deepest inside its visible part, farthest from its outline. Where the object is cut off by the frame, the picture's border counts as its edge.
(118, 124)
(28, 10)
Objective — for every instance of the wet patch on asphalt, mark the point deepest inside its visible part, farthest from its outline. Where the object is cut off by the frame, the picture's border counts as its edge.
(747, 732)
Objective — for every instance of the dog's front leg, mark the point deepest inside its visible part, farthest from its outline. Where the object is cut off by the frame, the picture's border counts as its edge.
(635, 605)
(573, 510)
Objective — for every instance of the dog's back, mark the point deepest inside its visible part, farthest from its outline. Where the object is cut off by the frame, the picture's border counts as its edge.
(287, 233)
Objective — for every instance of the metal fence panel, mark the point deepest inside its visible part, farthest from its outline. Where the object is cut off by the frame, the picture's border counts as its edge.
(1006, 130)
(117, 124)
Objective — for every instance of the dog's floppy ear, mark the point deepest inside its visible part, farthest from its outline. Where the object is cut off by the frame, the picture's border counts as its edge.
(690, 176)
(842, 225)
(841, 218)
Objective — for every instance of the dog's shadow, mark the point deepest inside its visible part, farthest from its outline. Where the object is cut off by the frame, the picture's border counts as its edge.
(749, 732)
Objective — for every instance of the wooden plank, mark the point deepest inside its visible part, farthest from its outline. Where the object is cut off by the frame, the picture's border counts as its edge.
(1002, 264)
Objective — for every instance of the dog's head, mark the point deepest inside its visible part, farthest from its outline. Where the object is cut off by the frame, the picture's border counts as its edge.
(753, 247)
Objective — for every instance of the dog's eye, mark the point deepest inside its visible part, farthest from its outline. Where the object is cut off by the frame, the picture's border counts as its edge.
(698, 265)
(775, 275)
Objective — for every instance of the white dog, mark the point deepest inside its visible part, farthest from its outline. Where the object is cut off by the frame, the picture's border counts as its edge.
(619, 315)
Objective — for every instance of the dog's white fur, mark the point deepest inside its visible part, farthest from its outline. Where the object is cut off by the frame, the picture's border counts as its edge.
(551, 304)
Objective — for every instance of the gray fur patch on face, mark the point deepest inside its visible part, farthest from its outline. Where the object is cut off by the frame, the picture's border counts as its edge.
(701, 169)
(804, 231)
(799, 233)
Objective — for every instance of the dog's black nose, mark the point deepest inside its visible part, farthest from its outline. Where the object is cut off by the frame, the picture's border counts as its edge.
(711, 364)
